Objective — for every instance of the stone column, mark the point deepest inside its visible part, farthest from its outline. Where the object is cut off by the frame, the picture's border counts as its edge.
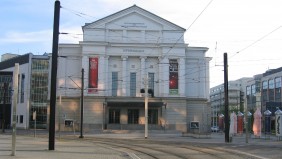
(124, 75)
(101, 75)
(165, 70)
(106, 69)
(160, 80)
(142, 70)
(85, 65)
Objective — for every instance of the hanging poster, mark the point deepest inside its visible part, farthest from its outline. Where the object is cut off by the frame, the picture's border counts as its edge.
(93, 75)
(173, 77)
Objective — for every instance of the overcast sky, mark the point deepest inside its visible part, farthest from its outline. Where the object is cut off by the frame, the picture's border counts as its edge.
(248, 30)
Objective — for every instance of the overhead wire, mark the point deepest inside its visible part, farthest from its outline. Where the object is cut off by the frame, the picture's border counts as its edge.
(174, 44)
(256, 41)
(83, 14)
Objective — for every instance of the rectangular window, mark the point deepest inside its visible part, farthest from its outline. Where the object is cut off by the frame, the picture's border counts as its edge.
(264, 91)
(271, 90)
(151, 84)
(22, 89)
(114, 83)
(253, 93)
(19, 80)
(133, 116)
(114, 116)
(5, 86)
(278, 89)
(249, 99)
(153, 116)
(21, 119)
(133, 84)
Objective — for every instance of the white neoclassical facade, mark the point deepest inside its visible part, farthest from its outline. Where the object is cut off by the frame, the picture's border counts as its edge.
(123, 53)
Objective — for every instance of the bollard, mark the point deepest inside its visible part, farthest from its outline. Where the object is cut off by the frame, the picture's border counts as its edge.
(267, 123)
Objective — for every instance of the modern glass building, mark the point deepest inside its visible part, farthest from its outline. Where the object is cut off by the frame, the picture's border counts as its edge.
(33, 89)
(264, 92)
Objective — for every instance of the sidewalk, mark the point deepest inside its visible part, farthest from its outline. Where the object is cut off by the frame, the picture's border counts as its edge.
(28, 147)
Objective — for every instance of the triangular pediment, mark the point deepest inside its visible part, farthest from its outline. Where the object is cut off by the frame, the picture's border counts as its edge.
(134, 18)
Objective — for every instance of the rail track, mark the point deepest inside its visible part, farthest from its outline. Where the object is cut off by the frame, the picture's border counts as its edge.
(137, 149)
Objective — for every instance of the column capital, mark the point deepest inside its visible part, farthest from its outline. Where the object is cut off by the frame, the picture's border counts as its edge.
(143, 57)
(181, 59)
(124, 57)
(163, 58)
(106, 57)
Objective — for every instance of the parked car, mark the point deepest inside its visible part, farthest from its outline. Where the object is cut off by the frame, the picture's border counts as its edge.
(215, 129)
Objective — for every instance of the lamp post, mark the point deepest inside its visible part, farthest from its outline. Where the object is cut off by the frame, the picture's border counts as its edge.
(81, 103)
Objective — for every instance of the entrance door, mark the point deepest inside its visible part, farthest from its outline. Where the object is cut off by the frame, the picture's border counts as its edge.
(133, 116)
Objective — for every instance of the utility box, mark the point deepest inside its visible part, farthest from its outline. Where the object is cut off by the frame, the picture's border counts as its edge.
(68, 122)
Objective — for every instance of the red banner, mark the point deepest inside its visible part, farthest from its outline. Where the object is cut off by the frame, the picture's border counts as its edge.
(93, 75)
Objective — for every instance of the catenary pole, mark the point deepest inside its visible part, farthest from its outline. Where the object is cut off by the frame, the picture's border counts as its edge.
(6, 86)
(81, 103)
(146, 106)
(226, 102)
(54, 75)
(15, 101)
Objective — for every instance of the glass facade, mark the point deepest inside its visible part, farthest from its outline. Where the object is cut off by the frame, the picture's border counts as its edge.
(39, 92)
(6, 84)
(5, 99)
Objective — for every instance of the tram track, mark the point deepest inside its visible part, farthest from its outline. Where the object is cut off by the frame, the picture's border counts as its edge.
(153, 149)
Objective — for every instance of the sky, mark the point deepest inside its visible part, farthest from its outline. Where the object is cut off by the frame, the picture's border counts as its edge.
(249, 31)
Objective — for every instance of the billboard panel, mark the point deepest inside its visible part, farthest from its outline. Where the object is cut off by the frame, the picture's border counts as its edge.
(173, 77)
(93, 75)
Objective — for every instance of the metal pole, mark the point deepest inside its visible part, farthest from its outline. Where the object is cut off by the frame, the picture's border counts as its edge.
(81, 103)
(35, 125)
(59, 125)
(6, 86)
(226, 110)
(246, 120)
(54, 75)
(15, 101)
(146, 106)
